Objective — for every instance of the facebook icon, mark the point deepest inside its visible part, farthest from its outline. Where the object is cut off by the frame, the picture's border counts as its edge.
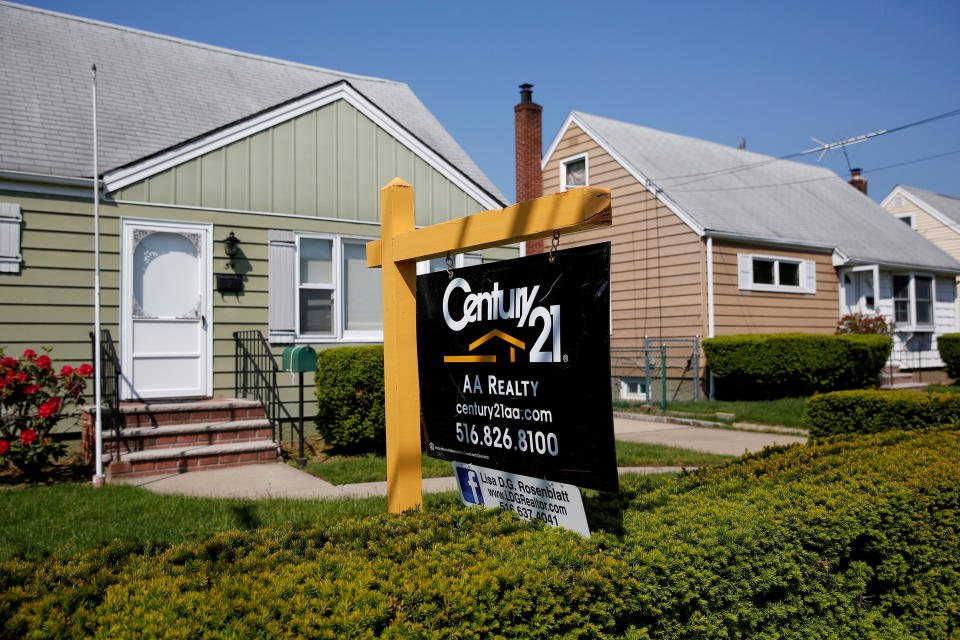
(469, 485)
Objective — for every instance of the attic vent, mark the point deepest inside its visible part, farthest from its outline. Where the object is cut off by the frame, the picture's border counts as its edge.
(898, 201)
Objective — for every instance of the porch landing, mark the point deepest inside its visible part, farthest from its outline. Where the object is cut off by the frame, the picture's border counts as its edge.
(180, 436)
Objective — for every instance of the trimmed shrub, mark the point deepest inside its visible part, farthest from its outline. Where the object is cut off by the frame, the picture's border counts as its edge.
(777, 365)
(350, 405)
(871, 411)
(855, 538)
(949, 346)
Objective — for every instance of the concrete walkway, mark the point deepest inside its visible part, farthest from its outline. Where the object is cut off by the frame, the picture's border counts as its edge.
(731, 442)
(283, 481)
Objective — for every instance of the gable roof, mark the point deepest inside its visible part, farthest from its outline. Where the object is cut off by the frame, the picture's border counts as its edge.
(944, 208)
(156, 93)
(720, 191)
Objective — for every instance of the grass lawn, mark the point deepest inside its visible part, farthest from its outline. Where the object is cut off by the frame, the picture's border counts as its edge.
(61, 520)
(786, 412)
(937, 388)
(373, 468)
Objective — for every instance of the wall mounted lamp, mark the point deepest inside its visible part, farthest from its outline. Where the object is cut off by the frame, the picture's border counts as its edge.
(231, 245)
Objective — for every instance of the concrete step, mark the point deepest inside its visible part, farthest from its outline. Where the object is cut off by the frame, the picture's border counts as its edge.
(906, 386)
(192, 458)
(144, 438)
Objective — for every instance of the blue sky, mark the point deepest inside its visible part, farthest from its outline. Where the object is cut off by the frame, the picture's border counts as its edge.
(773, 73)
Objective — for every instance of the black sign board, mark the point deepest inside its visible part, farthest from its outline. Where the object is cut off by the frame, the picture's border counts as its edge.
(514, 363)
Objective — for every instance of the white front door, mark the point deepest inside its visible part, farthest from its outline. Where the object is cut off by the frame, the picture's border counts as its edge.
(166, 284)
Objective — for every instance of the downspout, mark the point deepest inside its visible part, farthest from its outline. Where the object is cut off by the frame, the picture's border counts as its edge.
(710, 319)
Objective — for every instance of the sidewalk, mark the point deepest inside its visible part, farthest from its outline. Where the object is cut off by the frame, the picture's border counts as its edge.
(283, 481)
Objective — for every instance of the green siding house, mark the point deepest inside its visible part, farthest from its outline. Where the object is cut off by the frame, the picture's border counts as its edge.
(198, 144)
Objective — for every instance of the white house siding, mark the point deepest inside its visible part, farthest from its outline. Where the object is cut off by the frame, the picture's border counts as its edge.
(913, 350)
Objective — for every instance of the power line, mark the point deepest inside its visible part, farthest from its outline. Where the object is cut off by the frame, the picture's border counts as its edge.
(830, 177)
(824, 147)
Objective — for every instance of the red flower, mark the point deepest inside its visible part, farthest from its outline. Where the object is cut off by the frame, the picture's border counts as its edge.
(49, 408)
(20, 377)
(33, 388)
(29, 436)
(43, 362)
(85, 370)
(4, 447)
(29, 354)
(9, 363)
(67, 370)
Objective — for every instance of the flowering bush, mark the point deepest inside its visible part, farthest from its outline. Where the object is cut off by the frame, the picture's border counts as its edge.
(860, 323)
(33, 399)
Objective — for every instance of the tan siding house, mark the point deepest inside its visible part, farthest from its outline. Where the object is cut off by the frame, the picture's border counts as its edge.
(709, 240)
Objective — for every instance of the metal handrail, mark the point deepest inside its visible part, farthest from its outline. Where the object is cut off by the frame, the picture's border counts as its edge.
(256, 375)
(110, 373)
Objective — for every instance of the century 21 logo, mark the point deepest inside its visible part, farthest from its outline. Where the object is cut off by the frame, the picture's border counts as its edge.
(500, 304)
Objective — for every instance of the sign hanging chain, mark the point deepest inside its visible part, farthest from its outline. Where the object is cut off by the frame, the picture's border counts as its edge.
(449, 266)
(554, 245)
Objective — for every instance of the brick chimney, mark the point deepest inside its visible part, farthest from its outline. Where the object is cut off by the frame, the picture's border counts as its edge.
(859, 183)
(529, 145)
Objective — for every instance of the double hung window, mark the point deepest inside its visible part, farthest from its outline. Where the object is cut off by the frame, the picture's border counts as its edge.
(913, 300)
(321, 289)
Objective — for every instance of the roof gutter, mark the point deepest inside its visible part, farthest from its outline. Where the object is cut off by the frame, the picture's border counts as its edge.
(45, 184)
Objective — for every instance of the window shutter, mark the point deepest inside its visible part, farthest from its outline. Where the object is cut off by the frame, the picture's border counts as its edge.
(10, 218)
(745, 270)
(282, 256)
(472, 258)
(809, 276)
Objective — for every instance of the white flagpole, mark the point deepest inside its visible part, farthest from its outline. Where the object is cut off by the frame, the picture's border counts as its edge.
(98, 477)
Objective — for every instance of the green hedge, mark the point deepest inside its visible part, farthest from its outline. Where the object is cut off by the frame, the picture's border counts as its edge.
(949, 347)
(871, 411)
(777, 365)
(854, 538)
(350, 406)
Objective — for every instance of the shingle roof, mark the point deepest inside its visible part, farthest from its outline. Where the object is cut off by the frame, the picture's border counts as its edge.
(738, 193)
(946, 205)
(155, 92)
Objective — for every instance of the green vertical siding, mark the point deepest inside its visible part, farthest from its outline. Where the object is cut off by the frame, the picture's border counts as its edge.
(328, 163)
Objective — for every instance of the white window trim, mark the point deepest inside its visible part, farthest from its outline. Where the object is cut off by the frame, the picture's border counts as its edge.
(807, 274)
(912, 325)
(624, 389)
(586, 170)
(339, 332)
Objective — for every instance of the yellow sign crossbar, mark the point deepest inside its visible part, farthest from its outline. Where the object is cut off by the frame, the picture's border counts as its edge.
(571, 210)
(397, 251)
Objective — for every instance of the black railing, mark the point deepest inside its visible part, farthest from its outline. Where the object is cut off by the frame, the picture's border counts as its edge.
(256, 377)
(109, 384)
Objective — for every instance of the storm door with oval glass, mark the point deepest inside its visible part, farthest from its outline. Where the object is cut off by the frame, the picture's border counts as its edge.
(166, 330)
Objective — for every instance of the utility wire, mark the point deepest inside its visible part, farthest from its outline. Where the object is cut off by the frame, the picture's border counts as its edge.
(824, 146)
(830, 177)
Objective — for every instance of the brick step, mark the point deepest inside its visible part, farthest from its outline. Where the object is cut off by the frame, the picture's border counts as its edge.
(202, 433)
(195, 458)
(215, 410)
(137, 416)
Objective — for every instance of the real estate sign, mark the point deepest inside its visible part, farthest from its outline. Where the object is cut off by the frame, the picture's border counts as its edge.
(514, 362)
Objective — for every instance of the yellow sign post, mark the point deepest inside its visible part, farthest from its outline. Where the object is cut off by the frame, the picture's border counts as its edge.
(400, 246)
